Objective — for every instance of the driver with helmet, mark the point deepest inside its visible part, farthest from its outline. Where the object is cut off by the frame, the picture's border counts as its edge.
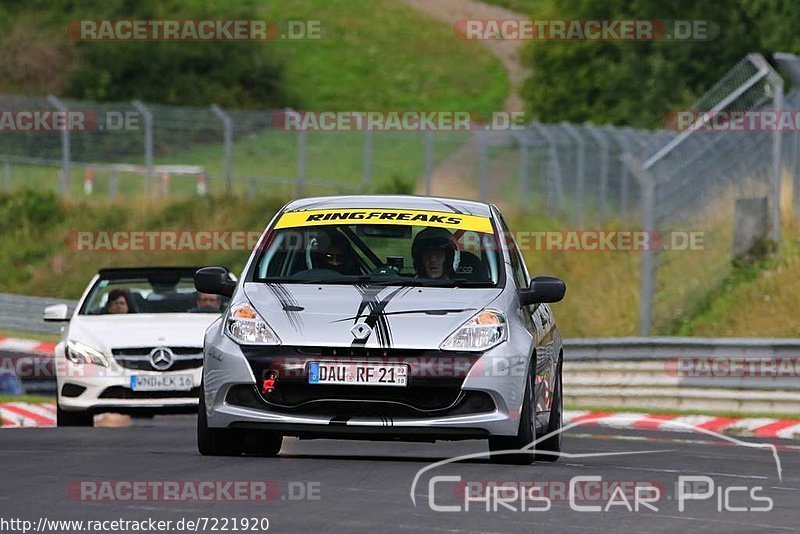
(332, 250)
(434, 251)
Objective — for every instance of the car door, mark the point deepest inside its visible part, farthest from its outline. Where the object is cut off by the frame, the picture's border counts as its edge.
(540, 323)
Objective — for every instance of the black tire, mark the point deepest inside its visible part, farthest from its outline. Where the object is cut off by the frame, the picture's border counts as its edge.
(215, 441)
(526, 433)
(65, 418)
(553, 444)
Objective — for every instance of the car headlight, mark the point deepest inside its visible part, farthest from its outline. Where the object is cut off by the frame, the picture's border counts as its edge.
(81, 353)
(246, 327)
(483, 331)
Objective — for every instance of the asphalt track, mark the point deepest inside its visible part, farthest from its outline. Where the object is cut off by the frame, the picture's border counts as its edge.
(365, 486)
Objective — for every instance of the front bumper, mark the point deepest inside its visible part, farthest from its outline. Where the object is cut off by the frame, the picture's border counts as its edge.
(94, 388)
(498, 374)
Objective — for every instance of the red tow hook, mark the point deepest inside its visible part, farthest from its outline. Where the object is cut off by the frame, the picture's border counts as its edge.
(269, 383)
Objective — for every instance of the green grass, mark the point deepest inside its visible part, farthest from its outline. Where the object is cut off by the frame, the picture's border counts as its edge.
(761, 299)
(25, 398)
(384, 55)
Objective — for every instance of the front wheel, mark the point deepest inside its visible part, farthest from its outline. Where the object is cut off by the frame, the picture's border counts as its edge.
(526, 433)
(549, 449)
(215, 441)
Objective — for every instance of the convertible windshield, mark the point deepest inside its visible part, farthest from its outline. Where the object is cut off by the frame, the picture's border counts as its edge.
(389, 254)
(154, 293)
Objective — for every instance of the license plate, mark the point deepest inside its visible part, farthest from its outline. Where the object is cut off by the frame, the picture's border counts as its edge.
(366, 374)
(162, 382)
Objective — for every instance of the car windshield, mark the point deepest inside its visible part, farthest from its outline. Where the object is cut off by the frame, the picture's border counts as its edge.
(149, 294)
(390, 254)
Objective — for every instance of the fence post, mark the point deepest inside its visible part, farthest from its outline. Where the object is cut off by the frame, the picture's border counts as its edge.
(601, 140)
(483, 164)
(524, 178)
(580, 186)
(301, 163)
(366, 181)
(624, 191)
(66, 154)
(7, 175)
(776, 82)
(148, 142)
(555, 186)
(227, 133)
(429, 155)
(113, 186)
(647, 282)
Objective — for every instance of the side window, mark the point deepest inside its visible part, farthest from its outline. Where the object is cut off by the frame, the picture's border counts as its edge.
(517, 264)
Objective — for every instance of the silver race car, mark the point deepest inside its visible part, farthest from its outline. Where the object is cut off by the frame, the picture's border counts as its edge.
(383, 318)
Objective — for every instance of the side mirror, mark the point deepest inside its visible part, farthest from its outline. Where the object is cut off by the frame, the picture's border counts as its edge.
(214, 280)
(56, 313)
(543, 289)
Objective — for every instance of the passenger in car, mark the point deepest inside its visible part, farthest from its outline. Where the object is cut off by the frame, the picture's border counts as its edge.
(207, 303)
(119, 301)
(338, 256)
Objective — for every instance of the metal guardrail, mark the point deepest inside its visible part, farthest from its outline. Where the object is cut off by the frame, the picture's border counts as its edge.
(23, 313)
(663, 348)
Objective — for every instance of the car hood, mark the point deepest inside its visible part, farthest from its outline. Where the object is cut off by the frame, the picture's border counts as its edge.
(136, 330)
(399, 317)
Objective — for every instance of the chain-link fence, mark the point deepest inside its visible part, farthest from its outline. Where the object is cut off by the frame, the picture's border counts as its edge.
(696, 182)
(670, 181)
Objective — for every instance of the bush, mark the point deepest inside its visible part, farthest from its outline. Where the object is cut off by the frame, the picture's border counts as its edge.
(242, 74)
(637, 83)
(28, 208)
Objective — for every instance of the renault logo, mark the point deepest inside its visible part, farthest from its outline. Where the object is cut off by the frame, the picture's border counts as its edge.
(361, 331)
(161, 358)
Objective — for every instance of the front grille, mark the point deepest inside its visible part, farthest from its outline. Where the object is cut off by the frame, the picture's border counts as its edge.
(422, 398)
(465, 403)
(120, 392)
(434, 381)
(138, 359)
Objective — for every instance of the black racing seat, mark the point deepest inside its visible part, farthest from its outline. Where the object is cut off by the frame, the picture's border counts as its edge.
(472, 268)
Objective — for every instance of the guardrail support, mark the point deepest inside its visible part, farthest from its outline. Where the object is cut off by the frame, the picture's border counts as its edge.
(227, 132)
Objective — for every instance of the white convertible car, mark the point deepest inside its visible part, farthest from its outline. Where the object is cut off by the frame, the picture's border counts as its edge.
(133, 345)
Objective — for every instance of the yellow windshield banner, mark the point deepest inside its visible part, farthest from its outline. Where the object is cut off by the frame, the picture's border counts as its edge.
(441, 219)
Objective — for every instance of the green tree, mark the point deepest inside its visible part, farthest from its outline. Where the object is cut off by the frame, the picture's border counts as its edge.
(638, 82)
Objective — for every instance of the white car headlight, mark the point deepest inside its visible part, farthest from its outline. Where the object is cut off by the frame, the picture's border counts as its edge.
(81, 353)
(246, 327)
(483, 331)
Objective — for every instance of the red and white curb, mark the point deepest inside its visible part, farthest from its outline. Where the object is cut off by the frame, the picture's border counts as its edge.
(26, 346)
(749, 426)
(26, 414)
